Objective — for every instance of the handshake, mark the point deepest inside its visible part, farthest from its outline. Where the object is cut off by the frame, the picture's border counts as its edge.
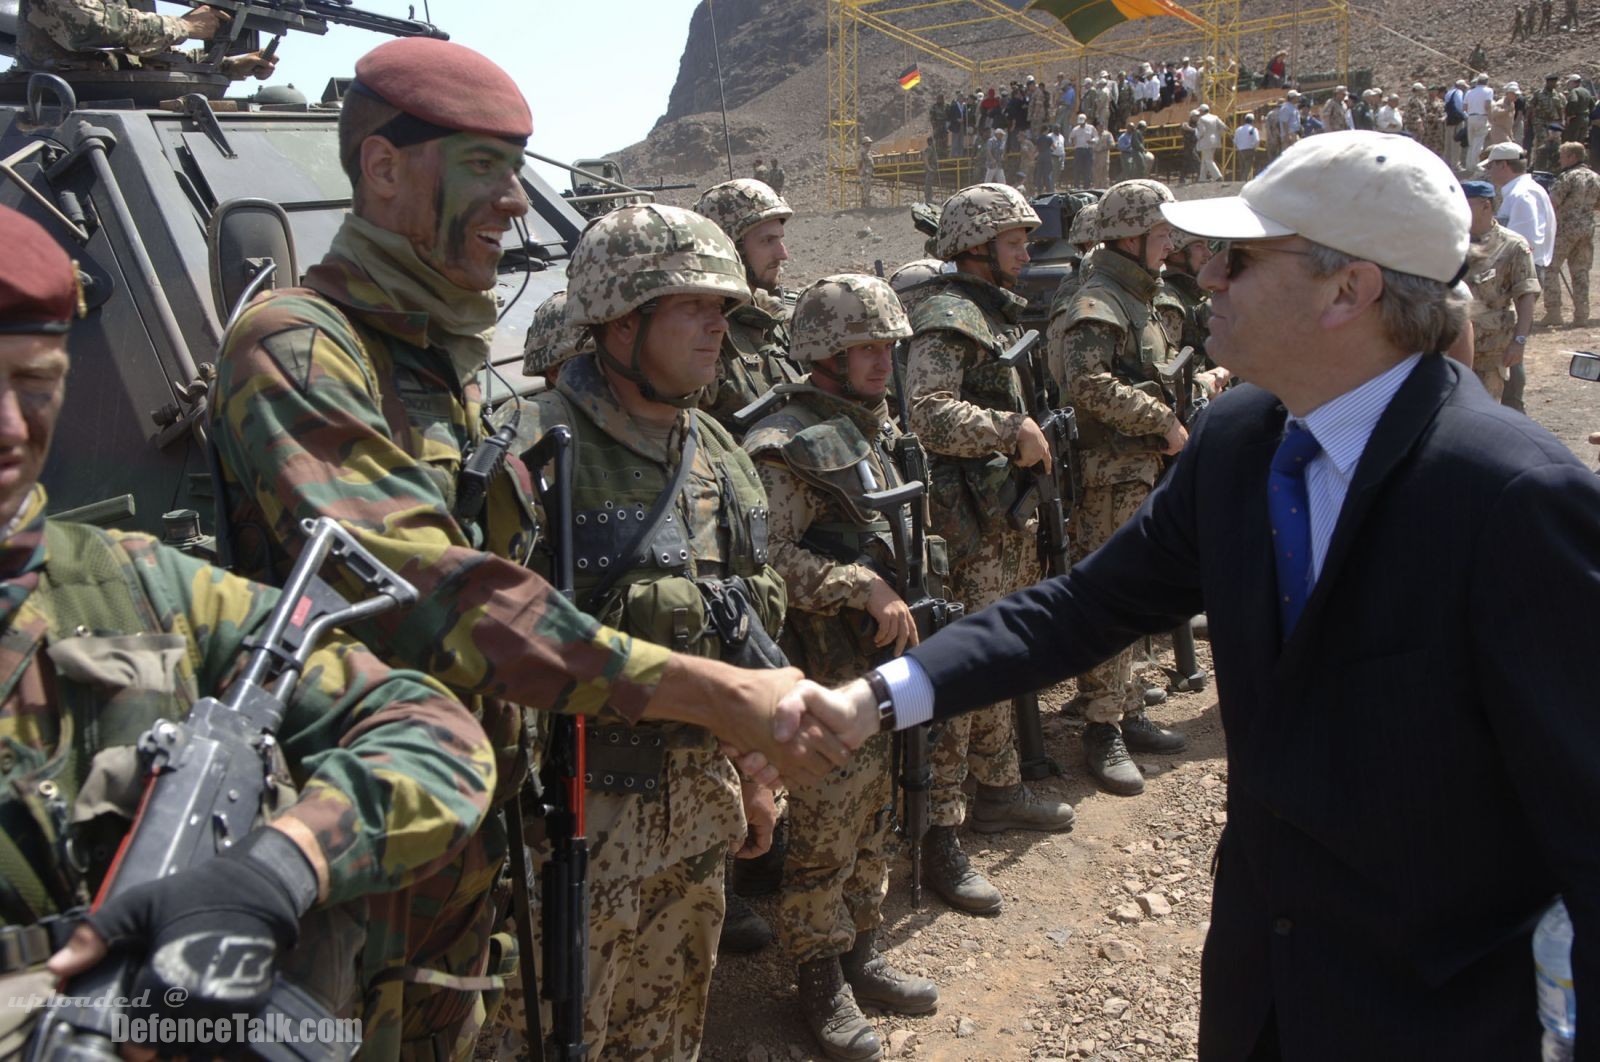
(778, 724)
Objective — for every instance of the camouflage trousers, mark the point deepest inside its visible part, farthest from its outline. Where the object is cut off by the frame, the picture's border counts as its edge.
(1576, 252)
(442, 925)
(985, 740)
(1107, 689)
(1491, 380)
(835, 876)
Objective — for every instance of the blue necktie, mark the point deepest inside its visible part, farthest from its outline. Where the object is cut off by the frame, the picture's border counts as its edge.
(1290, 513)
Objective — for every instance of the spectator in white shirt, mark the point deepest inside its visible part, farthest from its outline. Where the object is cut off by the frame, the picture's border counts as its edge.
(1477, 103)
(1390, 119)
(1246, 141)
(1208, 133)
(1191, 77)
(1524, 209)
(1081, 140)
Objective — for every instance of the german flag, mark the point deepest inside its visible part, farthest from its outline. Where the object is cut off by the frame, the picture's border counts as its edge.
(910, 77)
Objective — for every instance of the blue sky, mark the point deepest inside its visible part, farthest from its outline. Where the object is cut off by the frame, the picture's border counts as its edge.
(597, 74)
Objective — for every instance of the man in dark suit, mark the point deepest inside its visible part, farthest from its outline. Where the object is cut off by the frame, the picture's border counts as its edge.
(1413, 733)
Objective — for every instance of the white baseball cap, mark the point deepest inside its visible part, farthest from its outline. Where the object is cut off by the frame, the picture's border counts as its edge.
(1512, 86)
(1376, 196)
(1504, 151)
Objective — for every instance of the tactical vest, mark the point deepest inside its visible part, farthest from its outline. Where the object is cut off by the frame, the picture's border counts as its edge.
(843, 450)
(970, 495)
(613, 491)
(755, 358)
(63, 812)
(1118, 292)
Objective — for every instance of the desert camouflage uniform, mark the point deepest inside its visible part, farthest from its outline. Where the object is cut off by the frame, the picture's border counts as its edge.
(1184, 308)
(332, 400)
(967, 409)
(1435, 133)
(1575, 196)
(393, 775)
(656, 860)
(1580, 102)
(1500, 268)
(836, 875)
(70, 34)
(1105, 343)
(1415, 117)
(755, 356)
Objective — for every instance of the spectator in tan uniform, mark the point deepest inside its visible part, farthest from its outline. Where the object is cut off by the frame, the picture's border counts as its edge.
(1504, 285)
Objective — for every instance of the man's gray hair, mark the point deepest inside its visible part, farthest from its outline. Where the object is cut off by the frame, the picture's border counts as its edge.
(1418, 313)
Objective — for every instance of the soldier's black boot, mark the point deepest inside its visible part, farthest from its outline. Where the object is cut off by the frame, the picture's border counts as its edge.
(1142, 734)
(1017, 807)
(946, 871)
(744, 931)
(875, 981)
(1108, 760)
(763, 875)
(829, 1007)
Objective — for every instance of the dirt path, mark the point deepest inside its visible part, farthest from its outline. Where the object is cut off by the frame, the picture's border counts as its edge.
(1060, 973)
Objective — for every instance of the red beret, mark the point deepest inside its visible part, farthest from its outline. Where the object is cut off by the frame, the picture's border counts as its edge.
(38, 284)
(447, 85)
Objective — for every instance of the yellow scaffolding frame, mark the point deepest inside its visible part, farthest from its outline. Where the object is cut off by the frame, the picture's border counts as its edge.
(1223, 37)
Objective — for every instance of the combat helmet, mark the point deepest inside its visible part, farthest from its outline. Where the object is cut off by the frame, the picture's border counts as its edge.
(1132, 208)
(842, 310)
(914, 272)
(635, 255)
(1085, 225)
(1181, 239)
(740, 205)
(976, 215)
(551, 339)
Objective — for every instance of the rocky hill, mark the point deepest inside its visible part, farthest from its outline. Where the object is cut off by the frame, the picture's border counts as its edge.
(774, 64)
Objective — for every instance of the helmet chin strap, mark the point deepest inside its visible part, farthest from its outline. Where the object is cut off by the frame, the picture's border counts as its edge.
(828, 368)
(991, 258)
(635, 374)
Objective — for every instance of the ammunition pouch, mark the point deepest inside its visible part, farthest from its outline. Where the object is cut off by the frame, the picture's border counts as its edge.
(745, 642)
(627, 760)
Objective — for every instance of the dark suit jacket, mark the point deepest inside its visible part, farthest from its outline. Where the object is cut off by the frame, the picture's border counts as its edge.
(1416, 773)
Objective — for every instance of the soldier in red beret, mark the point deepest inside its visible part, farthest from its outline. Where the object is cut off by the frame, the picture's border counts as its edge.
(357, 397)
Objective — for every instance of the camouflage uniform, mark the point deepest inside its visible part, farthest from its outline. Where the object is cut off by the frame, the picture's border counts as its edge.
(1575, 196)
(968, 409)
(55, 35)
(1580, 103)
(659, 825)
(332, 399)
(393, 775)
(1105, 344)
(1500, 268)
(1548, 105)
(755, 353)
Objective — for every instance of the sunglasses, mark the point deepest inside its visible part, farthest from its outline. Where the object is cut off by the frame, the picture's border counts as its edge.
(1236, 257)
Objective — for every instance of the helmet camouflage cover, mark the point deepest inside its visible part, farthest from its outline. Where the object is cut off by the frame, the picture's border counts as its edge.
(639, 253)
(740, 205)
(1132, 208)
(1181, 239)
(914, 272)
(551, 340)
(1084, 225)
(841, 311)
(978, 214)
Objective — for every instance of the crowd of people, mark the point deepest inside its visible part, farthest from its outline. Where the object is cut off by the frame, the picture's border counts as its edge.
(743, 541)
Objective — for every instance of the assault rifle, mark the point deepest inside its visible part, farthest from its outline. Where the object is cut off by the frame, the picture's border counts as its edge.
(1050, 493)
(207, 777)
(559, 790)
(914, 773)
(1178, 377)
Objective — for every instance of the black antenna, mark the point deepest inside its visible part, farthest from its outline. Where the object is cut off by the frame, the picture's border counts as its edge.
(716, 52)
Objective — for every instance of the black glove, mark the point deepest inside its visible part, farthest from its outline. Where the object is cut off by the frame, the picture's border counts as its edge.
(211, 935)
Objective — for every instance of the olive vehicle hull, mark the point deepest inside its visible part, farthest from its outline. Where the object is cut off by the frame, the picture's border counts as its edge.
(137, 198)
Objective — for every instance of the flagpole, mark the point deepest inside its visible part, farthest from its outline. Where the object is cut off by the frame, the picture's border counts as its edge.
(716, 52)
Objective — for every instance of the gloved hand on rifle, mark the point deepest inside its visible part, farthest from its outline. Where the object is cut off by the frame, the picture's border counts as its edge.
(211, 936)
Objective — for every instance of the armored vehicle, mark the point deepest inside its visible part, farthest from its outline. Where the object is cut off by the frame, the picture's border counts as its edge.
(179, 207)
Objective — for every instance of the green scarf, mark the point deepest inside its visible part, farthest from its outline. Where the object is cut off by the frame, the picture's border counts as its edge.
(460, 322)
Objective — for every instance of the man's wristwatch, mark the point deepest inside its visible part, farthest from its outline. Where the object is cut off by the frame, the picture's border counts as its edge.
(1519, 339)
(880, 693)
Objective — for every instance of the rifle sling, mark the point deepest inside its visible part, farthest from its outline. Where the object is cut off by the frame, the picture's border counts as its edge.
(663, 504)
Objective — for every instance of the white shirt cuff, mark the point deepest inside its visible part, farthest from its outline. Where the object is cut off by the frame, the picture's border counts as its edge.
(909, 691)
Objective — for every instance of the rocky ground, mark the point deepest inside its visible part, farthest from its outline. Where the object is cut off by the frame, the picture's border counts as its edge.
(1097, 952)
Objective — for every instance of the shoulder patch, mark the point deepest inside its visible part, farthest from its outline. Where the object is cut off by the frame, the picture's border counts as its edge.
(948, 312)
(291, 349)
